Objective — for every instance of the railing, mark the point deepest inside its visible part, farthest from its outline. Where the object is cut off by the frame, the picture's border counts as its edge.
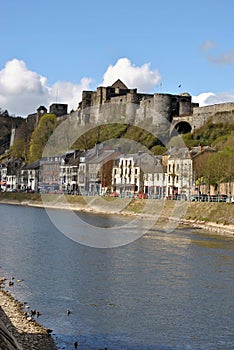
(211, 198)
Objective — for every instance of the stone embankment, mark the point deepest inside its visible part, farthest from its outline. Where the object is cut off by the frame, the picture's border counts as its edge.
(19, 330)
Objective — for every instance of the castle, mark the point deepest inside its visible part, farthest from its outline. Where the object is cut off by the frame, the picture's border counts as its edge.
(134, 104)
(178, 110)
(130, 106)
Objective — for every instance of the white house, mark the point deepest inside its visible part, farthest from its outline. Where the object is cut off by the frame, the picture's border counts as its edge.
(179, 173)
(3, 177)
(69, 174)
(12, 183)
(155, 179)
(126, 174)
(139, 172)
(30, 176)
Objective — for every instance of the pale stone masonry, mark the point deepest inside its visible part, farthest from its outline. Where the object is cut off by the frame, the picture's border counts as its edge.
(119, 99)
(177, 111)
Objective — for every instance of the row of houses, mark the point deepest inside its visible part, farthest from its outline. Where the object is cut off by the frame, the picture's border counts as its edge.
(102, 170)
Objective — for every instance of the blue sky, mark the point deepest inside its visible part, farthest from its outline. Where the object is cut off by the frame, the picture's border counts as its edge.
(55, 49)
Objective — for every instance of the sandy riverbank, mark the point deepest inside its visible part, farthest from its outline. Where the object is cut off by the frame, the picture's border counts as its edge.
(19, 330)
(212, 217)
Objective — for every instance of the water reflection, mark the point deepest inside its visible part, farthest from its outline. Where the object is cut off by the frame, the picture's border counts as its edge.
(163, 291)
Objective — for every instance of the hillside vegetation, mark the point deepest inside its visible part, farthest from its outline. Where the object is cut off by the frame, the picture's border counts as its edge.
(218, 135)
(29, 146)
(6, 124)
(119, 131)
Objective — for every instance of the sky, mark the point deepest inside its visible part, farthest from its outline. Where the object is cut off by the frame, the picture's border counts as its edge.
(53, 50)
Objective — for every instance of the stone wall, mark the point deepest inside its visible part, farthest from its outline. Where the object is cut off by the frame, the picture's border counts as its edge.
(224, 110)
(119, 101)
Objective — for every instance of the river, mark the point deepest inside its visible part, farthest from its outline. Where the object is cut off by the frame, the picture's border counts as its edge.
(164, 291)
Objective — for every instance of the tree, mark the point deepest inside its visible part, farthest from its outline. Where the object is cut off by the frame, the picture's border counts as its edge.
(40, 136)
(202, 169)
(216, 168)
(227, 157)
(19, 149)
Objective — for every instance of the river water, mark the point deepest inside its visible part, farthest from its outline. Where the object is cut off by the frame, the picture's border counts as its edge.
(163, 291)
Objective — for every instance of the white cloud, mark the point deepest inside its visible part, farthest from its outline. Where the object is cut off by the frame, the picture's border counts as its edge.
(22, 91)
(225, 58)
(210, 98)
(207, 45)
(202, 98)
(142, 78)
(66, 92)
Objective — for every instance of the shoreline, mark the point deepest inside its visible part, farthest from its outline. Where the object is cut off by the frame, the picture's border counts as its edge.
(223, 229)
(19, 330)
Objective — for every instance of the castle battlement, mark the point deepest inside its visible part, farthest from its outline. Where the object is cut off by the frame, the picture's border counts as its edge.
(165, 105)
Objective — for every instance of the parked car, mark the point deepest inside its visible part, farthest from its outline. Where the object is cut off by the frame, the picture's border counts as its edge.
(218, 198)
(222, 198)
(213, 198)
(12, 190)
(114, 194)
(142, 196)
(230, 199)
(179, 197)
(194, 198)
(204, 198)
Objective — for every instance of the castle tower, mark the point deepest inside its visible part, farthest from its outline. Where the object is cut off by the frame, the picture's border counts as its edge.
(12, 140)
(40, 111)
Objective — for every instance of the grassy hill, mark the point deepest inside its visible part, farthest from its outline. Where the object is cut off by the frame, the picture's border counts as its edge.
(215, 134)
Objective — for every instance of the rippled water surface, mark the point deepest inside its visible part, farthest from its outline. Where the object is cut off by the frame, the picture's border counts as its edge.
(163, 291)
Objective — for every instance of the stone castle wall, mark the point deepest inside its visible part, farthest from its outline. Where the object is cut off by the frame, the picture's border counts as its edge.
(118, 103)
(105, 101)
(219, 112)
